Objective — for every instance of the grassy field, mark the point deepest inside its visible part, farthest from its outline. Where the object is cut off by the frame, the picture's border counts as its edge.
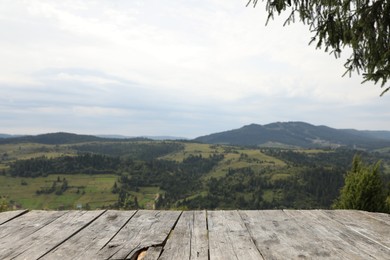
(30, 150)
(92, 189)
(192, 149)
(12, 152)
(234, 158)
(244, 158)
(147, 195)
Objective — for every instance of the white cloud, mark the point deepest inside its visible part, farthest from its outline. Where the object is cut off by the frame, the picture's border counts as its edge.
(95, 111)
(188, 67)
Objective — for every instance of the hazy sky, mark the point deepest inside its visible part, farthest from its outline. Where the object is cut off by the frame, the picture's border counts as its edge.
(181, 68)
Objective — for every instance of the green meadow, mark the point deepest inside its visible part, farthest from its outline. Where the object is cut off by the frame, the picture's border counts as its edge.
(170, 175)
(234, 158)
(93, 191)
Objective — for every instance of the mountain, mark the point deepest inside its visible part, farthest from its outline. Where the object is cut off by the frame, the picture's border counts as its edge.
(165, 138)
(8, 136)
(52, 138)
(114, 136)
(149, 137)
(69, 138)
(298, 134)
(60, 138)
(279, 134)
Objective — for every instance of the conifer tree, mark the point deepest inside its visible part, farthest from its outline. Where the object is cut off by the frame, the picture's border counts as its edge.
(363, 189)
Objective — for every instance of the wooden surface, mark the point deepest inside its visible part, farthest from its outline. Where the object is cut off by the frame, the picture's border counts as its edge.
(236, 234)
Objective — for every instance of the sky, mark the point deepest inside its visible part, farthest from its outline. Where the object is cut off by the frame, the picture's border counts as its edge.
(169, 68)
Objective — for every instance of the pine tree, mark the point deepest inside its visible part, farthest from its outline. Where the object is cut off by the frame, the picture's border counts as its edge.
(363, 189)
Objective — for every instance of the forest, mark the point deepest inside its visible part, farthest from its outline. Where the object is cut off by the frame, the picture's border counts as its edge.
(180, 175)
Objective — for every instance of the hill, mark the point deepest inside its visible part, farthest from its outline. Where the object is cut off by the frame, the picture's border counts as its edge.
(60, 138)
(8, 136)
(150, 174)
(52, 138)
(70, 138)
(298, 134)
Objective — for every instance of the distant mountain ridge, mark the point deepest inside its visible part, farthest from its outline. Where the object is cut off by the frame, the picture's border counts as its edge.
(60, 138)
(279, 134)
(9, 136)
(70, 138)
(51, 138)
(298, 134)
(151, 137)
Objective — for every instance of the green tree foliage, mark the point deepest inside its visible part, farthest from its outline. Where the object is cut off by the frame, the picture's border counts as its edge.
(362, 25)
(85, 163)
(134, 150)
(3, 204)
(58, 187)
(307, 179)
(363, 189)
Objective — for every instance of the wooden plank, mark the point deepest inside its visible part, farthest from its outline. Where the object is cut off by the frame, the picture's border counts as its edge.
(229, 237)
(178, 245)
(145, 229)
(278, 236)
(275, 234)
(346, 243)
(200, 238)
(87, 243)
(13, 231)
(50, 236)
(380, 216)
(152, 253)
(371, 228)
(189, 238)
(9, 215)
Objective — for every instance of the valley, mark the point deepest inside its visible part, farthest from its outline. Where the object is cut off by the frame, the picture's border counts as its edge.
(68, 171)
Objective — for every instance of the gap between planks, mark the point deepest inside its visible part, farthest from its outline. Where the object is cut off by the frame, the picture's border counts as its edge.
(231, 234)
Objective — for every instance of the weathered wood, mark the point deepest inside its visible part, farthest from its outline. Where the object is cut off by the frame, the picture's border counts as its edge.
(200, 239)
(178, 245)
(189, 238)
(272, 234)
(87, 243)
(380, 216)
(23, 226)
(9, 215)
(376, 230)
(153, 253)
(278, 236)
(229, 238)
(145, 229)
(50, 236)
(346, 243)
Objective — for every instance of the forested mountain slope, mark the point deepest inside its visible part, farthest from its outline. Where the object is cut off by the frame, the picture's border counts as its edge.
(298, 134)
(173, 174)
(59, 138)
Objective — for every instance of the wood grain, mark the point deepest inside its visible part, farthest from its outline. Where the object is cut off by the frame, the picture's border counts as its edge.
(145, 229)
(346, 243)
(49, 236)
(189, 238)
(12, 232)
(87, 243)
(234, 234)
(373, 231)
(279, 236)
(229, 238)
(9, 215)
